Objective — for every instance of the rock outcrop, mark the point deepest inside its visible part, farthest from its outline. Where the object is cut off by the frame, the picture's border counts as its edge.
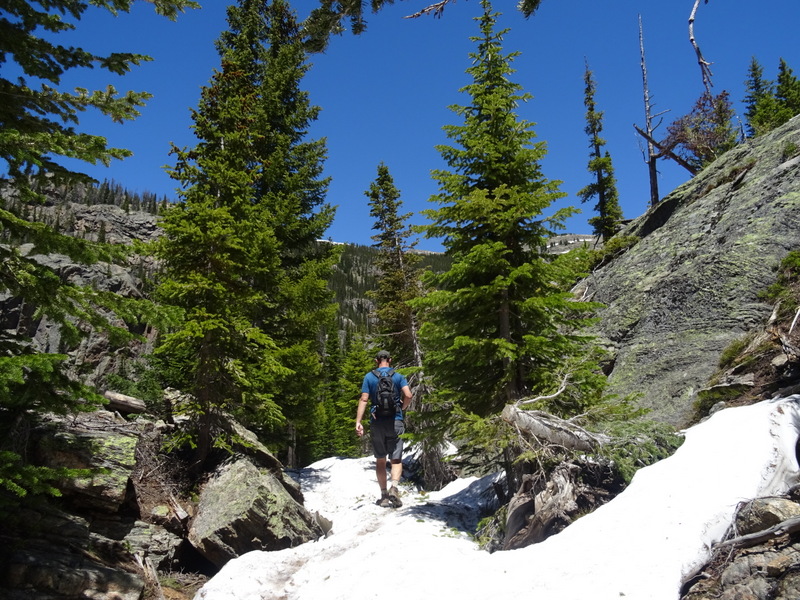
(94, 540)
(690, 286)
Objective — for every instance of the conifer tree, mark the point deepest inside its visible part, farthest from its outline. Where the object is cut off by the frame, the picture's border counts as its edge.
(398, 273)
(241, 251)
(345, 365)
(787, 93)
(604, 186)
(770, 104)
(39, 126)
(498, 325)
(760, 103)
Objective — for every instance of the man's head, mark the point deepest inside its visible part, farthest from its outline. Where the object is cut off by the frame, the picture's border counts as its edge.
(383, 356)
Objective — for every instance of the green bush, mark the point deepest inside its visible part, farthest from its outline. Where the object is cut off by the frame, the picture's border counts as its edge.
(781, 291)
(616, 246)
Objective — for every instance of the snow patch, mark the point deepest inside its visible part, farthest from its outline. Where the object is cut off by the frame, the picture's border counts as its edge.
(639, 546)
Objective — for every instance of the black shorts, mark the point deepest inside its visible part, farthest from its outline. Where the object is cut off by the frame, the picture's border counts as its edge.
(386, 438)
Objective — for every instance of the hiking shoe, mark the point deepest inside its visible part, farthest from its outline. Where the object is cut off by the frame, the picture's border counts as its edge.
(394, 497)
(384, 501)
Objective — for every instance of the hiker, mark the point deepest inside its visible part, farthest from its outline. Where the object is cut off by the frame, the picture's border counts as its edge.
(386, 422)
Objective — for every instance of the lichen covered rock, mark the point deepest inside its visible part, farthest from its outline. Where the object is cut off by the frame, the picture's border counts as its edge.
(244, 508)
(690, 286)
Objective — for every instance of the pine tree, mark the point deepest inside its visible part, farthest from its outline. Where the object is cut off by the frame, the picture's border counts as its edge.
(398, 273)
(770, 104)
(787, 93)
(241, 250)
(345, 366)
(760, 103)
(498, 325)
(604, 187)
(37, 130)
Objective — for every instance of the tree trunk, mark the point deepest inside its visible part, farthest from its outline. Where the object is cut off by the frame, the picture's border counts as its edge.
(651, 157)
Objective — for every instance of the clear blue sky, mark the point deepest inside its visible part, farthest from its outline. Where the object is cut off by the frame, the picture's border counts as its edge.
(384, 94)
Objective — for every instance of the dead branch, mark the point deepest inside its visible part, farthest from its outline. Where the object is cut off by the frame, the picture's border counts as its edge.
(666, 151)
(150, 575)
(705, 66)
(786, 527)
(435, 9)
(794, 321)
(555, 394)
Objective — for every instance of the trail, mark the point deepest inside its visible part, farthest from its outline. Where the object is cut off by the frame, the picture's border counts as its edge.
(639, 546)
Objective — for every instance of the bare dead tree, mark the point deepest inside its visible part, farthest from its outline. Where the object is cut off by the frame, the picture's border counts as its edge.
(705, 66)
(650, 156)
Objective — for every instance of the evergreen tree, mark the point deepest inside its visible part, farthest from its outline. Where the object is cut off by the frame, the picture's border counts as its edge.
(37, 129)
(787, 93)
(398, 273)
(770, 104)
(760, 103)
(604, 187)
(345, 366)
(498, 325)
(241, 251)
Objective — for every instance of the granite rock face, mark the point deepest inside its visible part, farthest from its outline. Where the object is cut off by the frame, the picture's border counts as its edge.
(690, 286)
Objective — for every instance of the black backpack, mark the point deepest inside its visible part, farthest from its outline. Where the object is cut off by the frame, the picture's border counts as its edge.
(384, 401)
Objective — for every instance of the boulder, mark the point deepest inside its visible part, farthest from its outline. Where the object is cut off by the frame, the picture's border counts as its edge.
(243, 508)
(763, 513)
(98, 440)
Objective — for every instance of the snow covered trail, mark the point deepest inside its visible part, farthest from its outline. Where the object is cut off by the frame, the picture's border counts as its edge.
(639, 546)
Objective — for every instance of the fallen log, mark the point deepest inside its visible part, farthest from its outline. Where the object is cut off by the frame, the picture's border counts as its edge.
(548, 429)
(123, 403)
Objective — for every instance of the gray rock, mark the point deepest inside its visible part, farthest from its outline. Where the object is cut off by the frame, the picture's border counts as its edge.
(58, 558)
(769, 571)
(98, 440)
(244, 508)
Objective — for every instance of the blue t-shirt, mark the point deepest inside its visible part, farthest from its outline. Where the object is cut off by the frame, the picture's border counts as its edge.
(370, 386)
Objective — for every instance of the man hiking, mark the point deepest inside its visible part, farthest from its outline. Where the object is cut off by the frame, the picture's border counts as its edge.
(387, 392)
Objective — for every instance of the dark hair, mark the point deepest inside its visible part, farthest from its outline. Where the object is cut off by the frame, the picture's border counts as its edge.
(383, 355)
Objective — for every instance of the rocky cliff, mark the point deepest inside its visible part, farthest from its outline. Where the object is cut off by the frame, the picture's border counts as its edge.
(691, 285)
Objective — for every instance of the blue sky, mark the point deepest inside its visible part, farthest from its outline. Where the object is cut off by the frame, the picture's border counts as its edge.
(385, 94)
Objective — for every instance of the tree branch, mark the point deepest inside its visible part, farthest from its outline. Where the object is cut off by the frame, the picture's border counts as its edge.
(436, 9)
(666, 151)
(786, 527)
(705, 66)
(561, 388)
